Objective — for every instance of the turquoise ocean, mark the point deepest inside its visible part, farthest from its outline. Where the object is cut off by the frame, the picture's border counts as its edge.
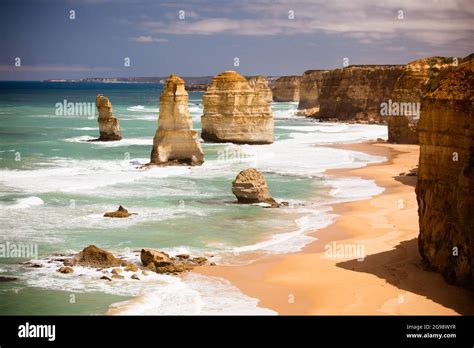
(55, 186)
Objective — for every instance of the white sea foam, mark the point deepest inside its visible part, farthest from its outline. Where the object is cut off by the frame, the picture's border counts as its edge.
(23, 203)
(87, 128)
(155, 294)
(141, 108)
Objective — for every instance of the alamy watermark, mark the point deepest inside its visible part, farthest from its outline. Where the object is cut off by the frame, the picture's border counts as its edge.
(66, 108)
(236, 155)
(344, 251)
(19, 250)
(391, 108)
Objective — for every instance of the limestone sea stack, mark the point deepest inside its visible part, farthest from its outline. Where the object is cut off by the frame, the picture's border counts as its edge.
(109, 127)
(403, 128)
(356, 92)
(250, 187)
(235, 112)
(287, 89)
(310, 89)
(446, 174)
(175, 140)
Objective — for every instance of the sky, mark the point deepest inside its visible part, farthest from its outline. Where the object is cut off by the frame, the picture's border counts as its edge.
(72, 39)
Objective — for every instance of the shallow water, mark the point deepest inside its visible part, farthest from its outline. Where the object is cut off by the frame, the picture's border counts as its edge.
(55, 187)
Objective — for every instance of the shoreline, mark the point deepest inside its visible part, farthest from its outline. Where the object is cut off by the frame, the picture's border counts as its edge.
(390, 280)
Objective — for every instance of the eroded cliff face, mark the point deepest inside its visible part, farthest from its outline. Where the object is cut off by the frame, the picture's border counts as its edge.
(287, 89)
(356, 92)
(260, 85)
(109, 127)
(235, 112)
(445, 188)
(403, 129)
(175, 139)
(310, 89)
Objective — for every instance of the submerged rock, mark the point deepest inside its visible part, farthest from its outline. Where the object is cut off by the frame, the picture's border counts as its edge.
(121, 212)
(109, 127)
(251, 187)
(175, 140)
(235, 112)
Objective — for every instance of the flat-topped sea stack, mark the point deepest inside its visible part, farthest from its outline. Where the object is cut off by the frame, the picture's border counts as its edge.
(109, 127)
(175, 140)
(310, 89)
(403, 128)
(287, 89)
(445, 188)
(235, 112)
(260, 85)
(356, 92)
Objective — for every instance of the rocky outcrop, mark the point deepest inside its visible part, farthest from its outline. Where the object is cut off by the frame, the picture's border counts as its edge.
(403, 128)
(446, 174)
(260, 85)
(310, 89)
(287, 89)
(235, 112)
(175, 140)
(109, 127)
(93, 256)
(161, 262)
(251, 187)
(121, 212)
(356, 92)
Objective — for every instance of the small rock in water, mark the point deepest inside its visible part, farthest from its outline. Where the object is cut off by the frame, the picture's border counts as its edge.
(134, 276)
(66, 269)
(121, 212)
(116, 271)
(131, 268)
(7, 279)
(106, 278)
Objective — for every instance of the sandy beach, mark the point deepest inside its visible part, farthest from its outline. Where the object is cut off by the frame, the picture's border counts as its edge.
(390, 279)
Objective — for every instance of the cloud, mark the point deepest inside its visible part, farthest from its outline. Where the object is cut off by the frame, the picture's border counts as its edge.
(147, 39)
(52, 68)
(434, 22)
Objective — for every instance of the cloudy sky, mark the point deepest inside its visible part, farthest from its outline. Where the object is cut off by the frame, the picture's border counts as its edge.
(204, 37)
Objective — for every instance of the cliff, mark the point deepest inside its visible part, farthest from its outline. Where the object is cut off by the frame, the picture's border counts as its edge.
(109, 127)
(310, 89)
(356, 92)
(235, 112)
(260, 85)
(403, 129)
(175, 139)
(446, 174)
(286, 89)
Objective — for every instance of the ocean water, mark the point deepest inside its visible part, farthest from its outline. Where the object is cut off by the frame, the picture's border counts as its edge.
(55, 186)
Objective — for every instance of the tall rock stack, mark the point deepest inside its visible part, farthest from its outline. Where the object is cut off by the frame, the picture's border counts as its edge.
(175, 140)
(310, 89)
(403, 129)
(355, 93)
(109, 127)
(445, 188)
(260, 85)
(235, 112)
(287, 89)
